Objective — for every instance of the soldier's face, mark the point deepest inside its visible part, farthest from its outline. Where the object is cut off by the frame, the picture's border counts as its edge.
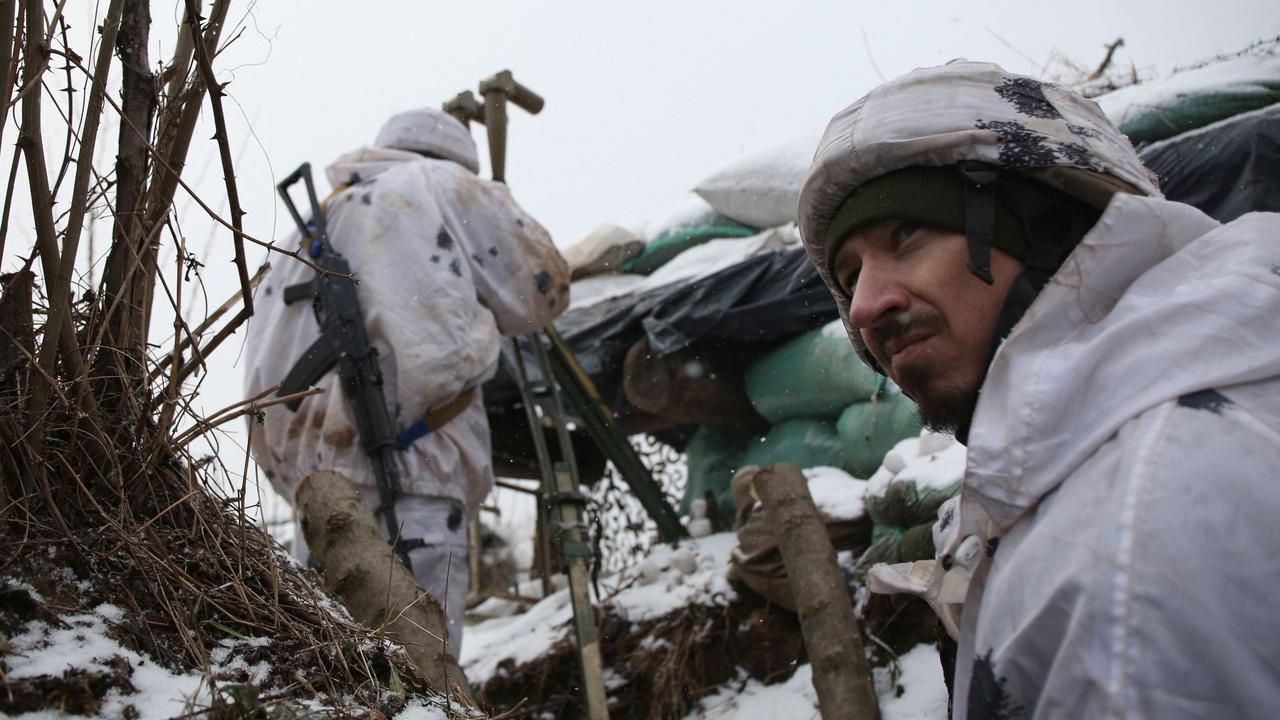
(924, 317)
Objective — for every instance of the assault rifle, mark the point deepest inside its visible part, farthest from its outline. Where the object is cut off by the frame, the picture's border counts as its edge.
(344, 343)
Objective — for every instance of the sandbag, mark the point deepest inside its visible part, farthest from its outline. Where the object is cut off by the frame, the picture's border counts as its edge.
(870, 429)
(693, 211)
(662, 249)
(714, 454)
(1194, 98)
(816, 374)
(762, 189)
(807, 442)
(1226, 169)
(918, 475)
(604, 250)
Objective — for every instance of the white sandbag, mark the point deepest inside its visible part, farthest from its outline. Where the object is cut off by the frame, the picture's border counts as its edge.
(762, 188)
(692, 211)
(716, 255)
(603, 250)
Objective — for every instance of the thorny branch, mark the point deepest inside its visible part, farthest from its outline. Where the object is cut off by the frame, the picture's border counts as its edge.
(59, 286)
(32, 145)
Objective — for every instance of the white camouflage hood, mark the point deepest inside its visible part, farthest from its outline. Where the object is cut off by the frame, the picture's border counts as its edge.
(965, 111)
(432, 131)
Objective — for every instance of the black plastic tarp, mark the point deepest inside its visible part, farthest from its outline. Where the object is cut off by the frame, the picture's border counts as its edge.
(1226, 169)
(761, 300)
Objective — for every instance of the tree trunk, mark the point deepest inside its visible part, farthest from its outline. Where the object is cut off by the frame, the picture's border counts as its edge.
(132, 259)
(841, 674)
(359, 567)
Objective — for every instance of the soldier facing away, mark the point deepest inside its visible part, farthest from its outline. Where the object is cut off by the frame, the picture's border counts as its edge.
(447, 264)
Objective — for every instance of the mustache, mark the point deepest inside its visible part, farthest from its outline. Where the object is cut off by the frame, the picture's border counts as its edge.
(899, 326)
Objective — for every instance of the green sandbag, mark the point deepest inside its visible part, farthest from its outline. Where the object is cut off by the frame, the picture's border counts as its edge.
(816, 374)
(807, 442)
(661, 249)
(1197, 111)
(870, 430)
(713, 455)
(903, 506)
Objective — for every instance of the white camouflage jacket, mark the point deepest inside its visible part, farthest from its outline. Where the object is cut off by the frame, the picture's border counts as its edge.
(1115, 550)
(447, 263)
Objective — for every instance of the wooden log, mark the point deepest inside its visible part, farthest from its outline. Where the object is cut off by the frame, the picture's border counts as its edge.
(841, 674)
(359, 567)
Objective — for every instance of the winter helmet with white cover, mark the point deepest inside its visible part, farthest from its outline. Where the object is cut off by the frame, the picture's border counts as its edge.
(431, 132)
(969, 147)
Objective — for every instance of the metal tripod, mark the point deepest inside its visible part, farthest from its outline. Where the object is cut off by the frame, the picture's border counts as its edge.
(567, 505)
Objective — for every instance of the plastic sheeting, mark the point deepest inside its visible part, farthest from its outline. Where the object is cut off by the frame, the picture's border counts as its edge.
(1225, 169)
(757, 302)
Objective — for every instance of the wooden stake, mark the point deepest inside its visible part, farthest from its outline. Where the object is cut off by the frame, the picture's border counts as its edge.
(841, 674)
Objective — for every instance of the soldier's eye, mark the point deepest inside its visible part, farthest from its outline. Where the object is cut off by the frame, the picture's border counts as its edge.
(906, 229)
(849, 280)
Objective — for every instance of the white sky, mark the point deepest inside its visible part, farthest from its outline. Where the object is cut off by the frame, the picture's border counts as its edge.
(642, 99)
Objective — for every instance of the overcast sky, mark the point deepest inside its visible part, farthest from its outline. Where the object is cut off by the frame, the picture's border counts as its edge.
(642, 99)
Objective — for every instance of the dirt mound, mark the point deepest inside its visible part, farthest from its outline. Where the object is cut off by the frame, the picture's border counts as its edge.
(190, 585)
(660, 668)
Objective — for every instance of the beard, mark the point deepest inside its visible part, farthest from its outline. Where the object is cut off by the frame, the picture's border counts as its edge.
(941, 409)
(945, 411)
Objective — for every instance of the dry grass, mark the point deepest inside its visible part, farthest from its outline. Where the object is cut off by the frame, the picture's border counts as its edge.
(131, 514)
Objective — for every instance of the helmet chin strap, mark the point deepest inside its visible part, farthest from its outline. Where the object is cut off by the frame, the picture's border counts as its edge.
(980, 215)
(1052, 225)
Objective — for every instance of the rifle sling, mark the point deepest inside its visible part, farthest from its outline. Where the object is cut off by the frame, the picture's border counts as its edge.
(435, 419)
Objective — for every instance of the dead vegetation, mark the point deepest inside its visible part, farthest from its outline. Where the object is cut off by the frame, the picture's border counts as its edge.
(100, 500)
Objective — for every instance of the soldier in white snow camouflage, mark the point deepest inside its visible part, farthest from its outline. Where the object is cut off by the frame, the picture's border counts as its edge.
(996, 247)
(447, 263)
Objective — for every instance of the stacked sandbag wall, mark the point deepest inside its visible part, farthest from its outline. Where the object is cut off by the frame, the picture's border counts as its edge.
(905, 493)
(823, 406)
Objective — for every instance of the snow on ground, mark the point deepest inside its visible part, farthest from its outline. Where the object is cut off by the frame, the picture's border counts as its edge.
(1248, 72)
(924, 694)
(674, 577)
(41, 649)
(84, 644)
(669, 579)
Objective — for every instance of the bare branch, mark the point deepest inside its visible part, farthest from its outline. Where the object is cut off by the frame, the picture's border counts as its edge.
(224, 151)
(244, 407)
(69, 116)
(131, 262)
(8, 18)
(213, 214)
(213, 344)
(8, 201)
(175, 75)
(1106, 61)
(213, 318)
(59, 285)
(31, 143)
